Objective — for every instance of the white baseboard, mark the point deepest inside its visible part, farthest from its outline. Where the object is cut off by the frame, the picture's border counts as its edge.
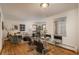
(65, 46)
(68, 47)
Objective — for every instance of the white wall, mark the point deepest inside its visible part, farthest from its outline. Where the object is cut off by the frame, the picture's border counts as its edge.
(0, 30)
(71, 28)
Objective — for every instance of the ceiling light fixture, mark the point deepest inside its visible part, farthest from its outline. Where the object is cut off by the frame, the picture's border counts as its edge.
(44, 5)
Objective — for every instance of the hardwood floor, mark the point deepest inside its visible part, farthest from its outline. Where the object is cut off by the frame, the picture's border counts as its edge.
(25, 49)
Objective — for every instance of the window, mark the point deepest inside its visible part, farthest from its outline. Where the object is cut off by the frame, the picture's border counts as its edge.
(22, 27)
(60, 26)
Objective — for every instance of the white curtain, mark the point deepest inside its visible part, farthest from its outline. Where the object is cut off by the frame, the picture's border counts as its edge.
(60, 27)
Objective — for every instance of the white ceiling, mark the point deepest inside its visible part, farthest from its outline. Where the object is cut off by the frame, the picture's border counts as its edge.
(27, 11)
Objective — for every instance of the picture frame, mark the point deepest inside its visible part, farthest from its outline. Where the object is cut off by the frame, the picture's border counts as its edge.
(15, 27)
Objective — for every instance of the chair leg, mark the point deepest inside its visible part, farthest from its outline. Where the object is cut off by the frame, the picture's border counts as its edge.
(44, 51)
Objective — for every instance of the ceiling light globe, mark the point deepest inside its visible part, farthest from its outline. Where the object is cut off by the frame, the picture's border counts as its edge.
(44, 5)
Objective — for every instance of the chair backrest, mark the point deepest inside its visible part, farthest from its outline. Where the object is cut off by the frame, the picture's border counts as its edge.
(58, 39)
(40, 46)
(19, 38)
(13, 39)
(16, 39)
(47, 35)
